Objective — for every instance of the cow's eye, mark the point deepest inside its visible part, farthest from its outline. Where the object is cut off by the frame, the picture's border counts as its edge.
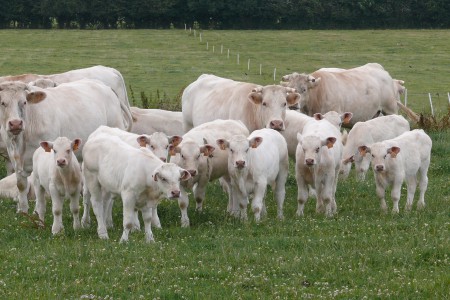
(303, 90)
(68, 151)
(247, 150)
(153, 147)
(373, 156)
(264, 104)
(3, 104)
(198, 157)
(317, 150)
(231, 150)
(385, 155)
(182, 156)
(54, 151)
(167, 146)
(163, 179)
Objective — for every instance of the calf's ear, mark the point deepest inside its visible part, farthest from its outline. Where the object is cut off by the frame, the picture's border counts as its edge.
(223, 144)
(76, 144)
(175, 140)
(292, 98)
(48, 146)
(349, 160)
(143, 140)
(330, 142)
(255, 142)
(185, 175)
(255, 97)
(36, 97)
(318, 116)
(393, 151)
(346, 117)
(155, 176)
(363, 150)
(173, 150)
(207, 150)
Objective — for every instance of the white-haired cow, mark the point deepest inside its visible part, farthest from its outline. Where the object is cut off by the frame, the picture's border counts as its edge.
(148, 121)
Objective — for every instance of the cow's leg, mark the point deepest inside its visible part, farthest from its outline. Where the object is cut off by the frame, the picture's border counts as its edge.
(257, 202)
(22, 184)
(57, 209)
(97, 203)
(423, 184)
(411, 185)
(155, 218)
(183, 203)
(108, 204)
(395, 194)
(129, 204)
(327, 195)
(280, 192)
(86, 219)
(40, 206)
(302, 196)
(199, 192)
(147, 215)
(75, 209)
(225, 182)
(381, 193)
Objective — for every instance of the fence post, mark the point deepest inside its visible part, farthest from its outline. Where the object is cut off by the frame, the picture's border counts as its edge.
(431, 104)
(200, 34)
(207, 45)
(238, 58)
(274, 73)
(260, 69)
(448, 95)
(221, 49)
(248, 64)
(406, 97)
(228, 55)
(213, 49)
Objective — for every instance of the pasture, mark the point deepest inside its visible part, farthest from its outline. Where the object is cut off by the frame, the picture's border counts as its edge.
(359, 253)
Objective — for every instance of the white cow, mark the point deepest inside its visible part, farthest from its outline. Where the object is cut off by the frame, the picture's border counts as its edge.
(365, 91)
(111, 166)
(157, 142)
(318, 160)
(8, 187)
(211, 97)
(29, 116)
(109, 76)
(204, 162)
(253, 163)
(367, 133)
(57, 171)
(148, 121)
(397, 160)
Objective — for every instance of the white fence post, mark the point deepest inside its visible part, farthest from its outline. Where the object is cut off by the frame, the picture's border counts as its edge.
(228, 55)
(406, 97)
(207, 45)
(260, 69)
(431, 104)
(185, 27)
(200, 37)
(448, 95)
(213, 49)
(248, 64)
(274, 73)
(221, 49)
(195, 33)
(238, 58)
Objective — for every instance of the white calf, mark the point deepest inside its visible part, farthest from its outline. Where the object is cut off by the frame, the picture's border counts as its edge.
(148, 121)
(367, 133)
(318, 161)
(8, 188)
(56, 171)
(254, 162)
(401, 159)
(137, 175)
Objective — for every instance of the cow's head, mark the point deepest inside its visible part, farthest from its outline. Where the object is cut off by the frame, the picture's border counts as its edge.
(272, 101)
(63, 150)
(168, 177)
(310, 148)
(158, 143)
(381, 154)
(14, 97)
(189, 155)
(238, 148)
(303, 83)
(335, 118)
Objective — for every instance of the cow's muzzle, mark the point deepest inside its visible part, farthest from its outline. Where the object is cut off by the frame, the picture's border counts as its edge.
(277, 125)
(15, 126)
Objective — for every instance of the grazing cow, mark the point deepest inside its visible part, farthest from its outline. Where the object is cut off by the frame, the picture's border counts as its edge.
(109, 76)
(367, 133)
(148, 121)
(211, 97)
(364, 91)
(111, 166)
(57, 171)
(318, 160)
(29, 116)
(253, 163)
(203, 161)
(397, 160)
(157, 142)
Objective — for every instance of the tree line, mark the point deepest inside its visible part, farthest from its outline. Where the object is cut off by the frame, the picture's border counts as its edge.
(229, 14)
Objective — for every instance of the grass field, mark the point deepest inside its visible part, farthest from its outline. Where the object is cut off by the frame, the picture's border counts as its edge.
(359, 254)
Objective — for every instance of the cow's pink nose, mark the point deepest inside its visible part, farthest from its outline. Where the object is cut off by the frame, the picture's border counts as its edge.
(175, 194)
(309, 161)
(15, 125)
(61, 162)
(379, 167)
(276, 124)
(240, 164)
(192, 172)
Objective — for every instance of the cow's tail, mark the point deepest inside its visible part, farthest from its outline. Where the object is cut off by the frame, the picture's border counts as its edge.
(125, 104)
(409, 113)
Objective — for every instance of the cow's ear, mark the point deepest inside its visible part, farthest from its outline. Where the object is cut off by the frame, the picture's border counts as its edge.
(255, 142)
(143, 140)
(223, 144)
(36, 97)
(286, 78)
(329, 142)
(313, 82)
(48, 146)
(76, 144)
(173, 150)
(363, 150)
(393, 151)
(349, 160)
(292, 98)
(184, 175)
(207, 149)
(155, 176)
(346, 117)
(318, 116)
(255, 97)
(175, 140)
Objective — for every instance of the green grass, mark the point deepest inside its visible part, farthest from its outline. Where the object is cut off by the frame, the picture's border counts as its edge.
(360, 253)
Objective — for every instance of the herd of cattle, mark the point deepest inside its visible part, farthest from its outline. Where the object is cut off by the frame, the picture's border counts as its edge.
(74, 133)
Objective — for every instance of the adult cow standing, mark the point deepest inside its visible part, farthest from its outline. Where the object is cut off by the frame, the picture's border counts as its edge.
(211, 97)
(29, 115)
(366, 91)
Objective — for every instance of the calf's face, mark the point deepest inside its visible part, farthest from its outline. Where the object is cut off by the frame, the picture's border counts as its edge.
(238, 147)
(63, 150)
(381, 155)
(189, 155)
(168, 177)
(312, 147)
